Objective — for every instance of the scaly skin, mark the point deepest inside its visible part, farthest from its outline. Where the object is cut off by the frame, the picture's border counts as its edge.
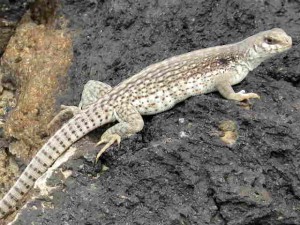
(155, 89)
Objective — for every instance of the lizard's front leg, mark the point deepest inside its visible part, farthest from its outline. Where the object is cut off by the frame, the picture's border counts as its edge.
(225, 89)
(92, 91)
(130, 122)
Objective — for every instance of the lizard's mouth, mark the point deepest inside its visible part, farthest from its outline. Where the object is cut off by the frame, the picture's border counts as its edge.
(284, 48)
(281, 49)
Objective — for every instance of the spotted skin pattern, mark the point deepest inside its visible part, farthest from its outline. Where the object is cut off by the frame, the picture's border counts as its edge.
(155, 89)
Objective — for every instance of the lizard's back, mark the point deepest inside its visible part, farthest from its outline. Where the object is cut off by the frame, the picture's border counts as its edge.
(160, 86)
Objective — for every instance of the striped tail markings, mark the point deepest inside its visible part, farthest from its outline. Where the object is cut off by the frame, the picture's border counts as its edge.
(69, 133)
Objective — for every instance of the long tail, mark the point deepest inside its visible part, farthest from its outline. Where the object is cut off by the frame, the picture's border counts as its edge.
(69, 133)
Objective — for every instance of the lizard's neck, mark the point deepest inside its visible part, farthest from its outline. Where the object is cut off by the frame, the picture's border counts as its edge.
(252, 58)
(247, 60)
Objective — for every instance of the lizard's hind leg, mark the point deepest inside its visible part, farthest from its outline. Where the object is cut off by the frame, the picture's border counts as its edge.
(92, 91)
(130, 122)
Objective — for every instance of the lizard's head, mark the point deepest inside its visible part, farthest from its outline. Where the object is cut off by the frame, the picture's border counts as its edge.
(268, 43)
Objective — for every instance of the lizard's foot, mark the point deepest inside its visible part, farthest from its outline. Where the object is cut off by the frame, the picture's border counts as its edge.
(225, 89)
(71, 110)
(242, 95)
(109, 140)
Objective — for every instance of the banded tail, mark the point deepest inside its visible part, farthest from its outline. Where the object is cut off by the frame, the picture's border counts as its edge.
(69, 133)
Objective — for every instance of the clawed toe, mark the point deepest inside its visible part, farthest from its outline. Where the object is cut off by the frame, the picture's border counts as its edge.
(251, 95)
(241, 96)
(109, 140)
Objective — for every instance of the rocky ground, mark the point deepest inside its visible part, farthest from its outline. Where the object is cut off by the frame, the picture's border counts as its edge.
(178, 170)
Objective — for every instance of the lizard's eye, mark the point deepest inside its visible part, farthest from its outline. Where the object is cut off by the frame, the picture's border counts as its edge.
(269, 41)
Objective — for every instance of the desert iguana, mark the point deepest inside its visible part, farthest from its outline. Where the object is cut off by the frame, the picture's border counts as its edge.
(155, 89)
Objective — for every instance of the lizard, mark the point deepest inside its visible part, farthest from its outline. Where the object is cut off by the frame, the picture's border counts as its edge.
(155, 89)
